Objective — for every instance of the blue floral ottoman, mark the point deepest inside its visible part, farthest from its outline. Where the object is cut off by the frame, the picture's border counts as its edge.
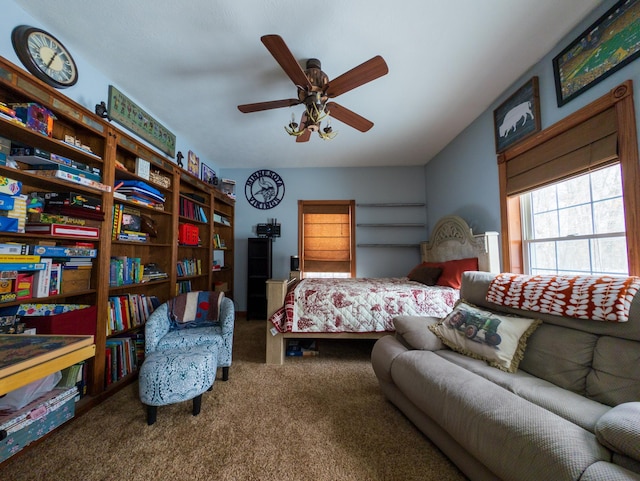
(176, 375)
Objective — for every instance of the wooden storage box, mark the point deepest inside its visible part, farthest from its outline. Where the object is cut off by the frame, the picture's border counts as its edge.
(36, 419)
(74, 280)
(159, 179)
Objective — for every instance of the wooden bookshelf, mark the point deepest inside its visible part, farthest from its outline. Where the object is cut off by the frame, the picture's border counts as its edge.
(115, 154)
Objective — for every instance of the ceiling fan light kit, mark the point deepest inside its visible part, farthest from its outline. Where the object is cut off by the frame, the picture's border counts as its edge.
(314, 91)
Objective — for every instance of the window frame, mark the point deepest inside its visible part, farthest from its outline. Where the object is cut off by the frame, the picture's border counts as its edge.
(350, 205)
(621, 99)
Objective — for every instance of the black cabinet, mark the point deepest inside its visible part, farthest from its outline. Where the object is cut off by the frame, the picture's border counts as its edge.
(259, 270)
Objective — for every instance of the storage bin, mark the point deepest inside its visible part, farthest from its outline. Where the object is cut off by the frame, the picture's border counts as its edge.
(35, 420)
(80, 321)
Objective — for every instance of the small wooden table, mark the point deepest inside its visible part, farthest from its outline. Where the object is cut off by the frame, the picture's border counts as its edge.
(25, 358)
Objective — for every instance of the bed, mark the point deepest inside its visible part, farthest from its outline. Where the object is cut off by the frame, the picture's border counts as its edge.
(351, 308)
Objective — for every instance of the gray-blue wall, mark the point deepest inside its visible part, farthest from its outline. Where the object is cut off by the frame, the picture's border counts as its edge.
(463, 178)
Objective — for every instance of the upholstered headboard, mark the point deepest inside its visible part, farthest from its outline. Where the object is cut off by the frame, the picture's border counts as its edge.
(452, 238)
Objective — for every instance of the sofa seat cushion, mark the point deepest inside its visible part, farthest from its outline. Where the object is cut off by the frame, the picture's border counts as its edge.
(482, 417)
(571, 406)
(196, 336)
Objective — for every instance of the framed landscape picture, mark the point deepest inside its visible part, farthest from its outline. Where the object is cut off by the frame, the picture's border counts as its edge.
(605, 47)
(518, 117)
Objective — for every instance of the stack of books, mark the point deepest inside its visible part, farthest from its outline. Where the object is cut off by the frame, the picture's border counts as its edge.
(66, 214)
(141, 193)
(46, 164)
(152, 272)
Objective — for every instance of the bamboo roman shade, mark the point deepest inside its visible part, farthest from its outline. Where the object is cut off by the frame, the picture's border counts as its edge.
(587, 146)
(326, 243)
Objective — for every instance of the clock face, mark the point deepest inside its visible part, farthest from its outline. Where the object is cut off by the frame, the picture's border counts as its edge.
(44, 56)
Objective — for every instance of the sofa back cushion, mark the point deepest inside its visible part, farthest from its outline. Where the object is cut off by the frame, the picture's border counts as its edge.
(596, 359)
(561, 356)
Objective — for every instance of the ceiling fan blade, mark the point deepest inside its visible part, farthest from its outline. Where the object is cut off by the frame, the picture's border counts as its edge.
(273, 104)
(287, 61)
(360, 75)
(350, 118)
(306, 135)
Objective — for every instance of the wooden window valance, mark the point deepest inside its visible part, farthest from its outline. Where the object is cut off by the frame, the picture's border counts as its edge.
(587, 146)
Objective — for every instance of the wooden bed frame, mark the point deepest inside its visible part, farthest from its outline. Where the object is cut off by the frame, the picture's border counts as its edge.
(451, 239)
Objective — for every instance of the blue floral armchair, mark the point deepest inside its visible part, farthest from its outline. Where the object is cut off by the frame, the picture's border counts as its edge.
(165, 329)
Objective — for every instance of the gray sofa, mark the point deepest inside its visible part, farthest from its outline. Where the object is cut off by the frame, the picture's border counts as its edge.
(570, 412)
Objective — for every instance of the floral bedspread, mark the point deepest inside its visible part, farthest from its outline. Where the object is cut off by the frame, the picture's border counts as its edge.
(359, 304)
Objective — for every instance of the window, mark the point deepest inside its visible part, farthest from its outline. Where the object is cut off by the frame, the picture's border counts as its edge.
(576, 226)
(582, 203)
(326, 238)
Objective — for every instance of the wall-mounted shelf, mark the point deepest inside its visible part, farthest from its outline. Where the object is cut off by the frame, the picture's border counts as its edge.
(388, 245)
(393, 204)
(390, 225)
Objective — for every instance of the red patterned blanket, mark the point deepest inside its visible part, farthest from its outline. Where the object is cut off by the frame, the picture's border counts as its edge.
(359, 304)
(601, 298)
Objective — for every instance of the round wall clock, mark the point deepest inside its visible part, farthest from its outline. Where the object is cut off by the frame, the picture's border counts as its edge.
(44, 56)
(264, 189)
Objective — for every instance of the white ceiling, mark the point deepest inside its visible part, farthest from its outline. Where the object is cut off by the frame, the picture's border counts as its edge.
(190, 63)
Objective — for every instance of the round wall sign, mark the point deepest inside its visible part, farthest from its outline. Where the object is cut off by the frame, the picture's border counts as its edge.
(264, 189)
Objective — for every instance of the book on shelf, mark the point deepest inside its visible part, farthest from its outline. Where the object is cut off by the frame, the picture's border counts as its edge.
(15, 249)
(152, 272)
(36, 156)
(50, 218)
(69, 177)
(75, 211)
(125, 270)
(9, 258)
(189, 267)
(42, 279)
(52, 167)
(63, 251)
(55, 279)
(142, 189)
(63, 230)
(83, 263)
(132, 237)
(72, 199)
(128, 311)
(22, 266)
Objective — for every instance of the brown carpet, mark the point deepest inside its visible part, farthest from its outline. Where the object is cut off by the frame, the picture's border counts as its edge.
(320, 418)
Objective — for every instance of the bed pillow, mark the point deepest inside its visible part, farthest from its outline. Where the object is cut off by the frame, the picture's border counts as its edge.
(498, 339)
(452, 270)
(425, 274)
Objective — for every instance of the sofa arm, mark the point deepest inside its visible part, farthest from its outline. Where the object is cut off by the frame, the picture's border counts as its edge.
(384, 352)
(227, 316)
(156, 327)
(619, 429)
(414, 331)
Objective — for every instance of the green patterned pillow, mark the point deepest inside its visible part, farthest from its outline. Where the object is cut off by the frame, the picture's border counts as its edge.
(498, 339)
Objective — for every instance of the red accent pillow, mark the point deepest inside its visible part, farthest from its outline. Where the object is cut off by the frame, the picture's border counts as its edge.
(452, 270)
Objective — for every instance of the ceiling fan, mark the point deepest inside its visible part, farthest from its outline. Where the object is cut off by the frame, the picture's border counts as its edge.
(315, 89)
